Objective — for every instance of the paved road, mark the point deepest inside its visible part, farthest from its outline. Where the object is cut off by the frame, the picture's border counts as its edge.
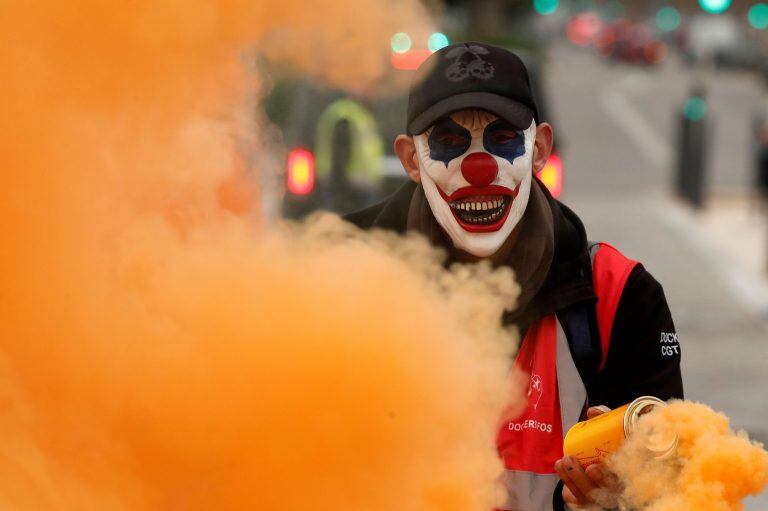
(618, 126)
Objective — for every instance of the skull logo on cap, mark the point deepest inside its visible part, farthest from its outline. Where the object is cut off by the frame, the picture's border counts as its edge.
(467, 61)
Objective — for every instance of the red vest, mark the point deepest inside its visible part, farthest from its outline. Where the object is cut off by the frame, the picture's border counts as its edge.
(532, 442)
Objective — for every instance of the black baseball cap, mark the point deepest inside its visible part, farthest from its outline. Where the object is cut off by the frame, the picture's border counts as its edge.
(471, 75)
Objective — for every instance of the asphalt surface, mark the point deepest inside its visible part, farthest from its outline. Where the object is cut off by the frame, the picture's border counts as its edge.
(618, 126)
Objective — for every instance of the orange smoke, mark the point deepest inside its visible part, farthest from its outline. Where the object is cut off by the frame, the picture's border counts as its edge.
(159, 349)
(714, 468)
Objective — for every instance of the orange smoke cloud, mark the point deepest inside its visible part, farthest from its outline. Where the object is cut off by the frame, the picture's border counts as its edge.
(161, 349)
(714, 469)
(303, 369)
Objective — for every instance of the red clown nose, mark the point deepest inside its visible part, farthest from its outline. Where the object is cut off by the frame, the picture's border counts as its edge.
(479, 169)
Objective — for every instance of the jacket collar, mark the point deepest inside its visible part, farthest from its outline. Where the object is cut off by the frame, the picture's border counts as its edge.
(394, 214)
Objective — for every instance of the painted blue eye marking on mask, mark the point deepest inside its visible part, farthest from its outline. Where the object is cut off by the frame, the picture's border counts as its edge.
(448, 140)
(501, 139)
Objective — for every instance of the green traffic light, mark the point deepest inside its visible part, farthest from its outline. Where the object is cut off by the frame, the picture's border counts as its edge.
(695, 108)
(668, 19)
(401, 42)
(758, 16)
(437, 40)
(545, 7)
(715, 6)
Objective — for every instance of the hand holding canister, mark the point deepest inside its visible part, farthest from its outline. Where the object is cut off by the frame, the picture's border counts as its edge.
(593, 440)
(587, 444)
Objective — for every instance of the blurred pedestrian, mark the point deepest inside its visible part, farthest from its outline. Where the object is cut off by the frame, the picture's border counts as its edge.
(595, 325)
(761, 165)
(761, 173)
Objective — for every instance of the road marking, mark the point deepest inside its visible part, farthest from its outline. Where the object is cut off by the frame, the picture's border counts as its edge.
(743, 284)
(634, 82)
(636, 126)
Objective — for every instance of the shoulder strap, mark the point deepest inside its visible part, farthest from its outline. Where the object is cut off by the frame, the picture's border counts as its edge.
(610, 271)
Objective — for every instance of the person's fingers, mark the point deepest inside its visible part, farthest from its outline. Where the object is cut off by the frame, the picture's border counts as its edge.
(610, 481)
(594, 411)
(608, 487)
(564, 470)
(596, 474)
(569, 498)
(575, 472)
(568, 494)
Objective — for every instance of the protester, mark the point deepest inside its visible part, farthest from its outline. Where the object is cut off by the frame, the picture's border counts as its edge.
(762, 163)
(595, 325)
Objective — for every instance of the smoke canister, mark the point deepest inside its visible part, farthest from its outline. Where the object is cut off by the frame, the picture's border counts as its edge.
(593, 440)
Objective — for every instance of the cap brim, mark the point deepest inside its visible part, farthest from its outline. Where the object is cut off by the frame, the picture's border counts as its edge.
(519, 115)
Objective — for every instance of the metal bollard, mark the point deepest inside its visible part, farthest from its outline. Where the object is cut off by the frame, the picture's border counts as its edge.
(760, 125)
(691, 171)
(760, 148)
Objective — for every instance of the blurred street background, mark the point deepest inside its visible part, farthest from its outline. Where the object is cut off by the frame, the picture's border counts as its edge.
(660, 112)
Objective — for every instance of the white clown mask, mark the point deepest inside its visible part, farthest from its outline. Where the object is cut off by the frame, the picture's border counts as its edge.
(476, 170)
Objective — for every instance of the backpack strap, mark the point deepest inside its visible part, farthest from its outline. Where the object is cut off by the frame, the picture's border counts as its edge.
(610, 271)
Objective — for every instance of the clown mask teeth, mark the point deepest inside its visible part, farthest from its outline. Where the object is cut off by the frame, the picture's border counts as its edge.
(480, 212)
(476, 170)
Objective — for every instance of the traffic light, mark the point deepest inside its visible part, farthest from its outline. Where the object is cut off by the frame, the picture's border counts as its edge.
(437, 41)
(552, 175)
(668, 19)
(545, 7)
(301, 172)
(407, 58)
(715, 6)
(758, 16)
(401, 42)
(695, 108)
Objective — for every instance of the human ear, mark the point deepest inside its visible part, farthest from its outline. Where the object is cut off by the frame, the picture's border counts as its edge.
(542, 147)
(405, 149)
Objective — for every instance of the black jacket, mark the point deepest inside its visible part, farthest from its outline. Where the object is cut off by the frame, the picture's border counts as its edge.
(644, 355)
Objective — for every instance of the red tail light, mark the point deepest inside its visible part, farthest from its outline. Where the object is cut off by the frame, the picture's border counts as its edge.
(301, 171)
(655, 52)
(409, 60)
(552, 175)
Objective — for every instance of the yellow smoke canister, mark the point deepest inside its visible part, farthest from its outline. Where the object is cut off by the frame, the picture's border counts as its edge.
(593, 440)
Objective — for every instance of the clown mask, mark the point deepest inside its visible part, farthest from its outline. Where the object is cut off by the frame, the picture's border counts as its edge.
(476, 170)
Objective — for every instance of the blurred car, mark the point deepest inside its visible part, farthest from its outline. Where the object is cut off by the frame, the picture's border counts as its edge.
(709, 35)
(583, 28)
(632, 43)
(723, 41)
(341, 148)
(742, 54)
